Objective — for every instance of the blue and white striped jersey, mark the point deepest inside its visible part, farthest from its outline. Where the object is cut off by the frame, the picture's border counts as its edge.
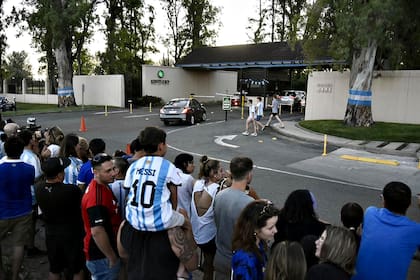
(72, 171)
(148, 202)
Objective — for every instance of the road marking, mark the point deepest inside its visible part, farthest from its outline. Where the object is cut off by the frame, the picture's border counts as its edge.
(286, 172)
(189, 127)
(219, 141)
(371, 160)
(322, 179)
(139, 116)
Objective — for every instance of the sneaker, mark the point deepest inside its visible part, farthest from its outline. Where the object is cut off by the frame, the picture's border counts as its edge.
(254, 134)
(245, 133)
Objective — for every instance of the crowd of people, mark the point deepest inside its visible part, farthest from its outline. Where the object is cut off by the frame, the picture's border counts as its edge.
(140, 216)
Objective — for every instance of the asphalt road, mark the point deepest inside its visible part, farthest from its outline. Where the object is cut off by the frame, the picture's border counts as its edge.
(281, 164)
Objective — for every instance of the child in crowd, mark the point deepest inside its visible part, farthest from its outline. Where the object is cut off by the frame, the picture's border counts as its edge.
(120, 168)
(152, 181)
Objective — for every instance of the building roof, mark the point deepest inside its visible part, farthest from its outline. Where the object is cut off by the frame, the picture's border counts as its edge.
(264, 55)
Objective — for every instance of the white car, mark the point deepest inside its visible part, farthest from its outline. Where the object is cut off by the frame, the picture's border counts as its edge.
(295, 98)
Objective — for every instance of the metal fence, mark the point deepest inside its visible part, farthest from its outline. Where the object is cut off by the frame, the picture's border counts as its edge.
(35, 86)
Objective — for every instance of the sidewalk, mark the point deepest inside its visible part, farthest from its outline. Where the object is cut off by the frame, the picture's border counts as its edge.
(293, 130)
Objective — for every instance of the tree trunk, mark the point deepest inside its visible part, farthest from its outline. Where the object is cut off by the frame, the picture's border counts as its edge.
(359, 110)
(65, 75)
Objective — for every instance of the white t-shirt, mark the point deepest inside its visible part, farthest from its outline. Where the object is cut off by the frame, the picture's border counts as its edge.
(185, 192)
(204, 227)
(54, 150)
(260, 109)
(251, 110)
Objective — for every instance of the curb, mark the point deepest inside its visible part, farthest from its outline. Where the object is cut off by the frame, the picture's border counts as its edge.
(343, 142)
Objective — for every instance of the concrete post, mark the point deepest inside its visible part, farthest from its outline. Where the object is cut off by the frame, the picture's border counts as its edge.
(5, 86)
(47, 86)
(24, 86)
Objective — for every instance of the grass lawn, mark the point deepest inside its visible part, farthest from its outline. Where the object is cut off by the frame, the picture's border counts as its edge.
(380, 131)
(29, 108)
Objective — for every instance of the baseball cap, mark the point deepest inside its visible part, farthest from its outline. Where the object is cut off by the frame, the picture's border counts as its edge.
(52, 166)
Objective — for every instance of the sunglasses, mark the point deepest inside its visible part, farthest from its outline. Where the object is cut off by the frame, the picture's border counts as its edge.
(268, 208)
(100, 158)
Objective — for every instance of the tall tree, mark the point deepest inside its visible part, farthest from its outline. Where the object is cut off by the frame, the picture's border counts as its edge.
(192, 24)
(2, 44)
(201, 16)
(368, 34)
(278, 20)
(58, 27)
(176, 39)
(17, 67)
(130, 36)
(257, 26)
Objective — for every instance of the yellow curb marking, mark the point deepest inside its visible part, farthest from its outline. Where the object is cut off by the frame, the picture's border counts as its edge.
(371, 160)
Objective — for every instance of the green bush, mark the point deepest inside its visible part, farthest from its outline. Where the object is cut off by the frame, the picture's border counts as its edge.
(147, 99)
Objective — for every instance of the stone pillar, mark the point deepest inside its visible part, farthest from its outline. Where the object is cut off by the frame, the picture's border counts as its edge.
(24, 86)
(47, 86)
(5, 89)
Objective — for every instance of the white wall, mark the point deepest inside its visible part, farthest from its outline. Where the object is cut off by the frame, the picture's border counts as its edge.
(178, 82)
(99, 90)
(395, 96)
(33, 98)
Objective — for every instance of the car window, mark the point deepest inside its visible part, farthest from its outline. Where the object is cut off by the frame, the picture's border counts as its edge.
(178, 103)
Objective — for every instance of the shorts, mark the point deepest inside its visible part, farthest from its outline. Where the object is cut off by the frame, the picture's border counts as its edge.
(274, 114)
(258, 118)
(100, 269)
(19, 228)
(209, 247)
(65, 252)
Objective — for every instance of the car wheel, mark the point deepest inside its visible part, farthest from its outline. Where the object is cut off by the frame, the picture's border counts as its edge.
(192, 120)
(165, 122)
(204, 117)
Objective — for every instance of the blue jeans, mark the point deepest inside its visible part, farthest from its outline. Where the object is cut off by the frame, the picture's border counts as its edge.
(100, 269)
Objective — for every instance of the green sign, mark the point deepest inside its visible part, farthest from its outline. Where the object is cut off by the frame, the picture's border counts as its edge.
(226, 103)
(160, 74)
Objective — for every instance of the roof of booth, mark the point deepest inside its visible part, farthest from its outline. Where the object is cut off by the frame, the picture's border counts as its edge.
(264, 55)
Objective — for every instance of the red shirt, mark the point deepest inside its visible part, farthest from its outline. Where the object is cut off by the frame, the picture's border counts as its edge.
(99, 208)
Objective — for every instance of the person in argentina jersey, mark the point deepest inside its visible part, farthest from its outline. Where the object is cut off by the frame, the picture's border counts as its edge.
(152, 180)
(152, 199)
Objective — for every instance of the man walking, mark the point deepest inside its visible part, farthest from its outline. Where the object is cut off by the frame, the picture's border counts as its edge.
(275, 111)
(228, 205)
(101, 221)
(389, 238)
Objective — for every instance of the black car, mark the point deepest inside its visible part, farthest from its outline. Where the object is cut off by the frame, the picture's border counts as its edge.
(183, 110)
(6, 104)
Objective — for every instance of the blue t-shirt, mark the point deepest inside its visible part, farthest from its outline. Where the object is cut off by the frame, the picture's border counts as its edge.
(388, 244)
(247, 266)
(15, 188)
(85, 173)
